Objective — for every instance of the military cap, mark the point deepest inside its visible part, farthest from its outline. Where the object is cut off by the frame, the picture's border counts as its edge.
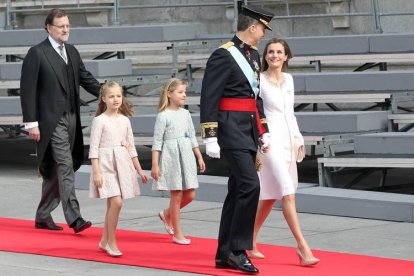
(261, 15)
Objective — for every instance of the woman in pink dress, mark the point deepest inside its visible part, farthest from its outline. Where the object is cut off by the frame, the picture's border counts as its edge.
(114, 159)
(278, 173)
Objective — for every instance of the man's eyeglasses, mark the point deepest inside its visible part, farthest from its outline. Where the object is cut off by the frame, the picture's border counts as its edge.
(61, 27)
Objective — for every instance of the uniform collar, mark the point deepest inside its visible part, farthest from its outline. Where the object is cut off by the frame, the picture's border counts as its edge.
(241, 44)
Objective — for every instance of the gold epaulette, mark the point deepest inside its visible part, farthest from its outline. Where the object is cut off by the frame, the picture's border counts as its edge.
(254, 48)
(209, 129)
(227, 45)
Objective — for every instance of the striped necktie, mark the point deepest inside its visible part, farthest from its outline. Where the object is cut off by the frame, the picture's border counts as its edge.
(62, 53)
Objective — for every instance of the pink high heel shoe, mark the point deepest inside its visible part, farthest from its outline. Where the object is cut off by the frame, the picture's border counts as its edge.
(255, 254)
(101, 247)
(306, 262)
(111, 252)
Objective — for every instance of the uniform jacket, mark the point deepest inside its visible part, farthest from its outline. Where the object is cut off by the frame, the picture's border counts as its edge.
(223, 78)
(43, 92)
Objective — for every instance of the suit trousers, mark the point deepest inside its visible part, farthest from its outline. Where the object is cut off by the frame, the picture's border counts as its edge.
(239, 208)
(60, 185)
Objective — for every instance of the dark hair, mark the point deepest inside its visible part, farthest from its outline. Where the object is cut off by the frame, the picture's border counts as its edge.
(54, 13)
(288, 53)
(244, 22)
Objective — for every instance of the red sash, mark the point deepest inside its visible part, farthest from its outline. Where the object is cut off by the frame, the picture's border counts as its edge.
(246, 105)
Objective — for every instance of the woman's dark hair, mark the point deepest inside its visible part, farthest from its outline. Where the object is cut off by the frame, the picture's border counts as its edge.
(288, 53)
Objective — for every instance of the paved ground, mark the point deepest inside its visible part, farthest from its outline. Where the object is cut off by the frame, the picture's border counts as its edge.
(20, 188)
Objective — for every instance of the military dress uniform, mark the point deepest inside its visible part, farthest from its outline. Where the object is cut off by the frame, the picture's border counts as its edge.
(232, 112)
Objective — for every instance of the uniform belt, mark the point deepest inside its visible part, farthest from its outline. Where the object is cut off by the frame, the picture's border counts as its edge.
(246, 105)
(237, 104)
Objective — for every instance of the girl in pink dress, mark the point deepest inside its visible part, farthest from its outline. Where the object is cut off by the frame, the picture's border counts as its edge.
(278, 174)
(114, 160)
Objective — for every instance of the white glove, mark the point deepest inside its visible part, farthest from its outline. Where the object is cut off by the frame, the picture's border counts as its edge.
(265, 142)
(212, 147)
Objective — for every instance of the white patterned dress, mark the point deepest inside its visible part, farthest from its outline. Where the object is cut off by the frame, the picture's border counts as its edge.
(112, 142)
(174, 137)
(278, 174)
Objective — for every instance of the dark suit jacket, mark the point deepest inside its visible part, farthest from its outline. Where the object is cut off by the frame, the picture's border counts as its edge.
(223, 78)
(43, 90)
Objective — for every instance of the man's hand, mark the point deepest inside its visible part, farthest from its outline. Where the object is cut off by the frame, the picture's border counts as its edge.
(265, 142)
(212, 147)
(34, 133)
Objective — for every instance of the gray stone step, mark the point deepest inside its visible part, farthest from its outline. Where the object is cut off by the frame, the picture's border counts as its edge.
(385, 143)
(108, 36)
(99, 68)
(309, 122)
(341, 121)
(356, 203)
(144, 124)
(10, 105)
(310, 198)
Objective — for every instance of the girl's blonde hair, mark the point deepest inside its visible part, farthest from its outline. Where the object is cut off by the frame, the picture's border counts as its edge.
(169, 86)
(126, 107)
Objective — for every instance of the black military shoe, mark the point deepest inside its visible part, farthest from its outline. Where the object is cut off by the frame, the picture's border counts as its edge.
(242, 263)
(223, 264)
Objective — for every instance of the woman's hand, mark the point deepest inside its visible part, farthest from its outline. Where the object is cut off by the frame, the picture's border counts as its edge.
(264, 142)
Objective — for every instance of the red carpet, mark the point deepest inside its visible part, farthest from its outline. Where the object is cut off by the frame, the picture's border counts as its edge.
(157, 251)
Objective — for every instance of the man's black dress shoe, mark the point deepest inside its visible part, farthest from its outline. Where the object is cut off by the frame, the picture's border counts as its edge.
(80, 224)
(223, 264)
(48, 225)
(242, 262)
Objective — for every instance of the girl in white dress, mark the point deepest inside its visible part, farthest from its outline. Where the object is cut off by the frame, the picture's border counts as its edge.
(114, 160)
(174, 166)
(278, 174)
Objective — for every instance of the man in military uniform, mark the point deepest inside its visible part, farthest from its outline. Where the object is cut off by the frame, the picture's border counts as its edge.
(233, 121)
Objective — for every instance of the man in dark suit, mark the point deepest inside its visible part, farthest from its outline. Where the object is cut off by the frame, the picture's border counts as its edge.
(49, 90)
(232, 119)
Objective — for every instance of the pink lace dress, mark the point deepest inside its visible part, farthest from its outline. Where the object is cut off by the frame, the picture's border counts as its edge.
(112, 142)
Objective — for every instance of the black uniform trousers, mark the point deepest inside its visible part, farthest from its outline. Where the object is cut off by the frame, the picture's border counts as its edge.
(240, 206)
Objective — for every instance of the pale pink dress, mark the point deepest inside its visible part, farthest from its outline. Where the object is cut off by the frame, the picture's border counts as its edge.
(112, 142)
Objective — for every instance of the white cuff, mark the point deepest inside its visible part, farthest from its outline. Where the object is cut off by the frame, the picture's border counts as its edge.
(30, 125)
